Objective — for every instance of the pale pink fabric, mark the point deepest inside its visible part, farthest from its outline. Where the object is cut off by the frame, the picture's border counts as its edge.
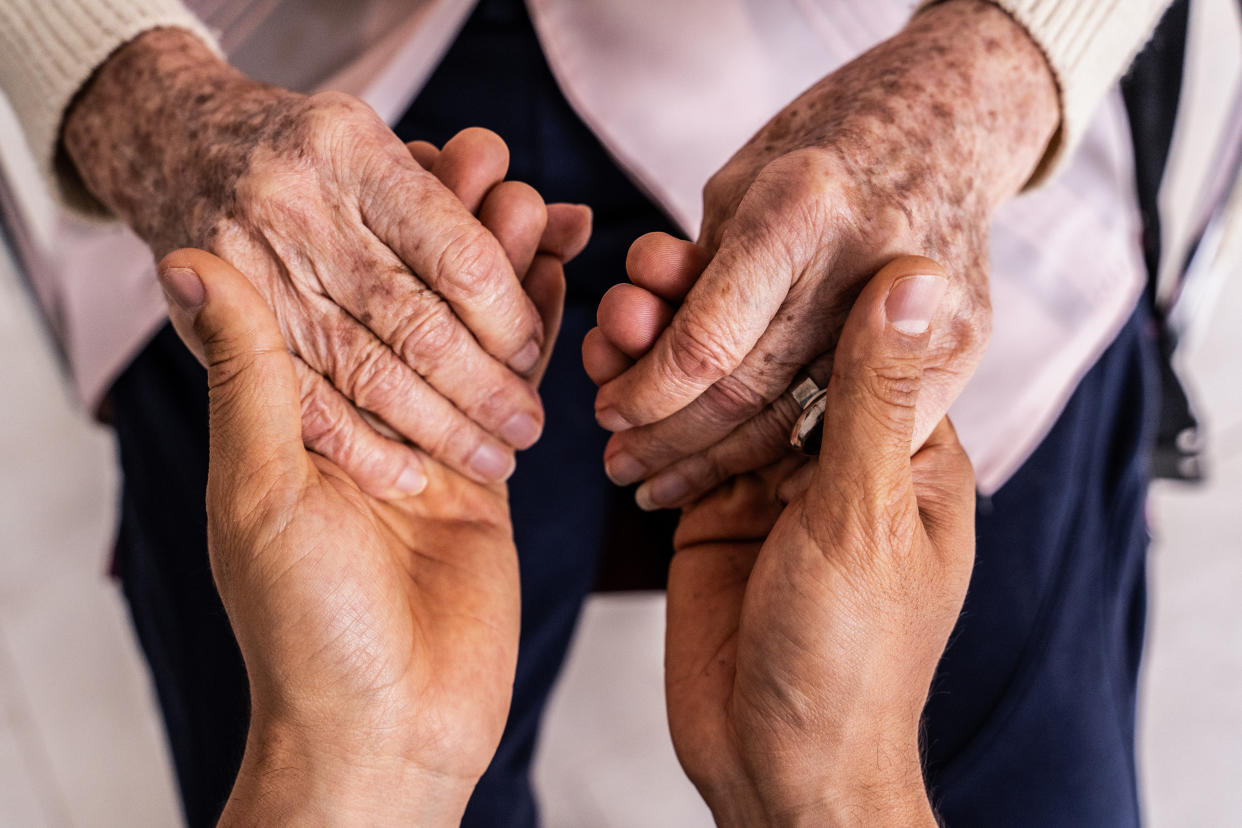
(672, 88)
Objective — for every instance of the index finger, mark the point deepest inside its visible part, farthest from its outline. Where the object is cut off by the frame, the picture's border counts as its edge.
(723, 317)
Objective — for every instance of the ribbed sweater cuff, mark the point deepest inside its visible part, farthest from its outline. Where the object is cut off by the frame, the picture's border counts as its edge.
(50, 48)
(1089, 45)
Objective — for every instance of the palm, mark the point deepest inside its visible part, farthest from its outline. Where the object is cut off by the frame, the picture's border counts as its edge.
(401, 607)
(753, 611)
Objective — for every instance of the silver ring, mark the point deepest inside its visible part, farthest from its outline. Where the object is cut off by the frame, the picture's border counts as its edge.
(808, 430)
(803, 391)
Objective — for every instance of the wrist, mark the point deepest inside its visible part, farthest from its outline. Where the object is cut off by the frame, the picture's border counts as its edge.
(866, 770)
(867, 788)
(141, 133)
(1005, 102)
(885, 804)
(876, 803)
(290, 775)
(956, 109)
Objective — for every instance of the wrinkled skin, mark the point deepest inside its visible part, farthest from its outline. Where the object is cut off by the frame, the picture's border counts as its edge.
(907, 149)
(391, 294)
(807, 610)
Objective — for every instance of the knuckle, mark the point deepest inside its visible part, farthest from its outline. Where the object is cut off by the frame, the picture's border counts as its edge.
(883, 396)
(766, 441)
(895, 384)
(806, 166)
(455, 441)
(366, 380)
(493, 399)
(429, 338)
(323, 429)
(330, 99)
(345, 130)
(329, 110)
(466, 264)
(721, 186)
(801, 176)
(731, 400)
(698, 353)
(655, 444)
(715, 467)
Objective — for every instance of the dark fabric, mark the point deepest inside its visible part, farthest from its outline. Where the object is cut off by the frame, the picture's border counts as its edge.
(159, 410)
(1031, 718)
(1031, 721)
(1152, 90)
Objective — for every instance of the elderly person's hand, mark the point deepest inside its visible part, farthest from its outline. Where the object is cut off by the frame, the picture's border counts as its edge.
(390, 293)
(807, 613)
(907, 149)
(380, 636)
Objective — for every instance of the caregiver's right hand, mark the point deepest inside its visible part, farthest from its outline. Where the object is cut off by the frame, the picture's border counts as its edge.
(807, 610)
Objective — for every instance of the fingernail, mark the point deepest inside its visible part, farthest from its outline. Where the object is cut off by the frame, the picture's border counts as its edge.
(411, 481)
(183, 287)
(623, 469)
(520, 431)
(490, 462)
(611, 419)
(525, 358)
(664, 491)
(912, 303)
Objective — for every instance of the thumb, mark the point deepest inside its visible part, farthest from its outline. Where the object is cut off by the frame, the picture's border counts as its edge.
(877, 373)
(255, 405)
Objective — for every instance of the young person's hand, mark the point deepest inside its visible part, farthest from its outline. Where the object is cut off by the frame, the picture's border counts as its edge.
(808, 604)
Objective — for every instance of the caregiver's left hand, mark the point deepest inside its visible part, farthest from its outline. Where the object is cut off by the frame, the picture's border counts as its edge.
(380, 636)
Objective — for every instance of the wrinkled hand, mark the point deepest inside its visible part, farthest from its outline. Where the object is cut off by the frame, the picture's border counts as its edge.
(802, 638)
(390, 293)
(907, 149)
(380, 636)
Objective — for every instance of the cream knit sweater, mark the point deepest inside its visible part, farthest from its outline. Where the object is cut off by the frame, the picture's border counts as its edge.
(49, 48)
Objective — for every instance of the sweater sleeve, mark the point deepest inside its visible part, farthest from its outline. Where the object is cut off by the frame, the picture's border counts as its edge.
(1089, 44)
(50, 48)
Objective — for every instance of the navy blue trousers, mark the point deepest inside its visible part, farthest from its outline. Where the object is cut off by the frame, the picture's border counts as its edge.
(1031, 721)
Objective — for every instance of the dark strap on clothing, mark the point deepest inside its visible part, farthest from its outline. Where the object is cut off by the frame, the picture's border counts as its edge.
(1152, 90)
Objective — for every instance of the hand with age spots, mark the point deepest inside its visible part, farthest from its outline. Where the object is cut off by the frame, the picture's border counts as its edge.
(807, 609)
(380, 635)
(392, 296)
(906, 150)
